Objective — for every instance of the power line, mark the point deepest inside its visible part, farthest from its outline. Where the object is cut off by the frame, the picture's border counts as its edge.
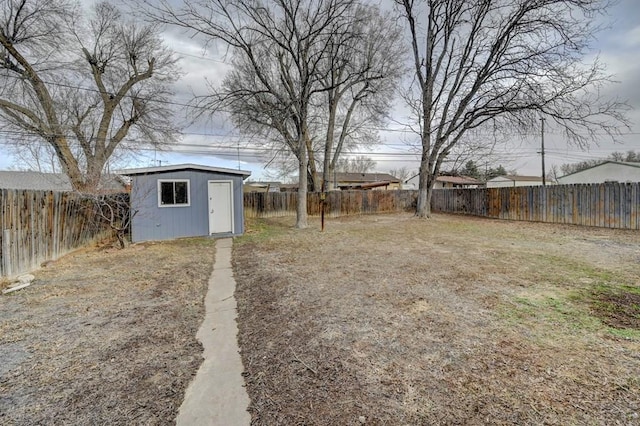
(221, 149)
(405, 129)
(201, 57)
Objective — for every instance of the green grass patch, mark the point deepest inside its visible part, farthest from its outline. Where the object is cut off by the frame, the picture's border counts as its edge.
(561, 310)
(259, 230)
(564, 270)
(603, 307)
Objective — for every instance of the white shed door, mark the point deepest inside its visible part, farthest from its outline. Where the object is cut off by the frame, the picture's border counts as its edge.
(220, 207)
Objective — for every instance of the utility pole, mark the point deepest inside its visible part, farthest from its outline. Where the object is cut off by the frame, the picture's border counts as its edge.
(544, 179)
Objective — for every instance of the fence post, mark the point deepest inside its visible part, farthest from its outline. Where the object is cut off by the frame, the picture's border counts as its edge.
(6, 252)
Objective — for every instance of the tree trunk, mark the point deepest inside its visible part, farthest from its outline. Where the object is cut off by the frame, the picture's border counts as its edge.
(425, 180)
(424, 202)
(326, 174)
(330, 178)
(312, 184)
(301, 207)
(312, 167)
(425, 189)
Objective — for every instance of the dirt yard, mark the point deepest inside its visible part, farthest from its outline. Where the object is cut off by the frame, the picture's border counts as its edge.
(105, 336)
(386, 320)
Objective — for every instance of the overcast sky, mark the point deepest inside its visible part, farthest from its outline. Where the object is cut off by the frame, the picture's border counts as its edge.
(215, 142)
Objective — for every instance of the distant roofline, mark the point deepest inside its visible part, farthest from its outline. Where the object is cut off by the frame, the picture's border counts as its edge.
(32, 180)
(363, 177)
(465, 180)
(519, 178)
(624, 163)
(470, 180)
(176, 167)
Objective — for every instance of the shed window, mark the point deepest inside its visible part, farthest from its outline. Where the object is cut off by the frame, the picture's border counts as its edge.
(173, 192)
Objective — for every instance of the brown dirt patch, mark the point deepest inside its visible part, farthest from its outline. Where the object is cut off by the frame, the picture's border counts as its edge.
(618, 309)
(453, 320)
(105, 336)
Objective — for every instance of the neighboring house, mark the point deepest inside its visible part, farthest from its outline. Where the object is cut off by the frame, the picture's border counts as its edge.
(514, 180)
(445, 182)
(289, 187)
(346, 181)
(262, 186)
(365, 181)
(186, 200)
(38, 181)
(608, 171)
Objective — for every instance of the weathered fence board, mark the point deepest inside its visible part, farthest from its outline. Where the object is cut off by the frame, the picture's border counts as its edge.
(607, 205)
(41, 225)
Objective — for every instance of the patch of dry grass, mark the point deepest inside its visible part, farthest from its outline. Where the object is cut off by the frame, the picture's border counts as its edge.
(105, 336)
(447, 321)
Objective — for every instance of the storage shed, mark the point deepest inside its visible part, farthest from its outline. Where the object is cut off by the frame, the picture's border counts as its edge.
(186, 200)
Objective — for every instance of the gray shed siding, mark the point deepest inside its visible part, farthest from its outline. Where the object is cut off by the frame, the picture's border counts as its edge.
(164, 223)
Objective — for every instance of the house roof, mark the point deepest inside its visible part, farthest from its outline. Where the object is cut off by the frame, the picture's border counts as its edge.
(620, 163)
(288, 186)
(38, 181)
(517, 178)
(261, 183)
(364, 185)
(459, 180)
(178, 167)
(366, 177)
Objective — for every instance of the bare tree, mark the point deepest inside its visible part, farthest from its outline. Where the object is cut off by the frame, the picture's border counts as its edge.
(630, 156)
(402, 173)
(357, 164)
(278, 48)
(502, 63)
(82, 85)
(553, 174)
(34, 155)
(361, 69)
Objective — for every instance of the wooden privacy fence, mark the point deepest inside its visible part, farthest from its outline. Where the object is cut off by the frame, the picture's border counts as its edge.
(608, 205)
(36, 226)
(338, 203)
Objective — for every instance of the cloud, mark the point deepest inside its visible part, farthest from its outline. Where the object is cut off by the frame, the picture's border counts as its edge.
(631, 39)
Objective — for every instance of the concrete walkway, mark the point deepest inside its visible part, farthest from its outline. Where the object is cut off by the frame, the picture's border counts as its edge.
(217, 395)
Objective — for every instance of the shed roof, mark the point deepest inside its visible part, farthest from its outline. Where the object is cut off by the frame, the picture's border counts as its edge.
(179, 167)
